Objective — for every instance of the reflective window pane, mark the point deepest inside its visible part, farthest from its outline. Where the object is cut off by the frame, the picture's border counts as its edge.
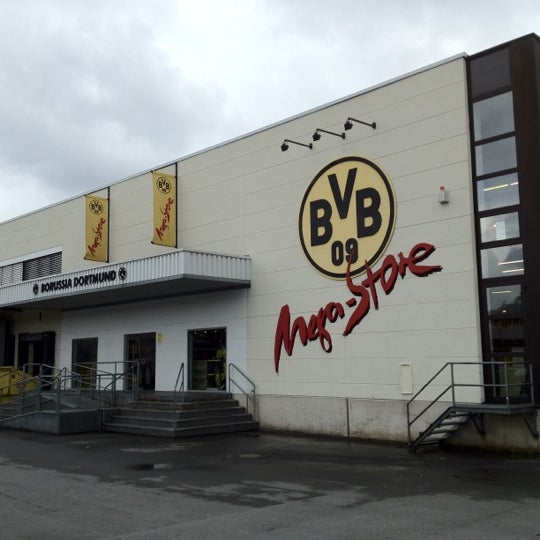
(496, 156)
(498, 192)
(505, 316)
(490, 72)
(499, 227)
(505, 261)
(511, 377)
(493, 116)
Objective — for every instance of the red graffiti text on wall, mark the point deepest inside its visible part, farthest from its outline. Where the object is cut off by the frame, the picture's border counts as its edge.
(364, 296)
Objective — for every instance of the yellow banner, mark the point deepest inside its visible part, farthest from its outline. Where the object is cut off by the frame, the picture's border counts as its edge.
(97, 229)
(164, 209)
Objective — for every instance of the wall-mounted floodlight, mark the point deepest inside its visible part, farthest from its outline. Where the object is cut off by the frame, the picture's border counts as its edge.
(349, 123)
(318, 131)
(285, 146)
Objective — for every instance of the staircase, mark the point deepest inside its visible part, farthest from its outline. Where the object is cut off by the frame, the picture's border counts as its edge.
(514, 398)
(200, 413)
(441, 429)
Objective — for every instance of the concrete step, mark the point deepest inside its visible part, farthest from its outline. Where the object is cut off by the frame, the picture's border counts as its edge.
(181, 406)
(180, 422)
(191, 395)
(183, 432)
(168, 414)
(164, 418)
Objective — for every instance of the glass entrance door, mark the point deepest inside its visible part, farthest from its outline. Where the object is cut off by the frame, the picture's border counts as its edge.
(506, 373)
(142, 349)
(84, 360)
(36, 351)
(207, 359)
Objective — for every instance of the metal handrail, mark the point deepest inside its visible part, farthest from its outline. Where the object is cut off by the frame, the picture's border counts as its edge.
(102, 389)
(48, 378)
(250, 394)
(57, 381)
(178, 390)
(20, 392)
(451, 387)
(94, 380)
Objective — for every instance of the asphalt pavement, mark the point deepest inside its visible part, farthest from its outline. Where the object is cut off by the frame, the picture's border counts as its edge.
(265, 485)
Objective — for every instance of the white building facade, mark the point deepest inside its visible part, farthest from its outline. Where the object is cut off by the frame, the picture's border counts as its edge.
(339, 274)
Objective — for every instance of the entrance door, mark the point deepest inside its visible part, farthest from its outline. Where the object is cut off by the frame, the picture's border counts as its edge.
(207, 359)
(84, 360)
(35, 350)
(142, 348)
(506, 374)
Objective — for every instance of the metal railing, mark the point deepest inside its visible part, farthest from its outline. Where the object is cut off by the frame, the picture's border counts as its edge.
(32, 393)
(178, 391)
(233, 373)
(53, 384)
(44, 386)
(504, 390)
(105, 386)
(17, 389)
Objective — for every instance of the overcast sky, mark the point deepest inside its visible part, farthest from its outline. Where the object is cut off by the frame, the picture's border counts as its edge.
(93, 91)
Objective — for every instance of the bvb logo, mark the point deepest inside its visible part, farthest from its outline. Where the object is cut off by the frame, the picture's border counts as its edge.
(348, 212)
(96, 207)
(163, 184)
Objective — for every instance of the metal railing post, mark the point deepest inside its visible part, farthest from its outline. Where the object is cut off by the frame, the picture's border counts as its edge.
(493, 386)
(506, 387)
(452, 381)
(178, 387)
(252, 392)
(531, 385)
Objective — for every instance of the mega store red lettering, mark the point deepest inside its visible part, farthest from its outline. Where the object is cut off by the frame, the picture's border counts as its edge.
(367, 294)
(417, 254)
(160, 231)
(98, 235)
(314, 329)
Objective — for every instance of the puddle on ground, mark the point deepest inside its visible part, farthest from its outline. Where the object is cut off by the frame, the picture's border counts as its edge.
(248, 456)
(149, 466)
(155, 449)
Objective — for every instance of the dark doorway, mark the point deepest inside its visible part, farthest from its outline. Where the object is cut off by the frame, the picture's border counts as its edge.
(207, 359)
(36, 350)
(142, 348)
(84, 360)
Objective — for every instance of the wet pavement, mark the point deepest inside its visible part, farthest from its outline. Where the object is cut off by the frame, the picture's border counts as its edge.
(265, 485)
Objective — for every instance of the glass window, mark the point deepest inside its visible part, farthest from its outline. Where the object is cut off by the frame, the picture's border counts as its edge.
(499, 227)
(504, 261)
(510, 377)
(505, 316)
(493, 116)
(498, 192)
(496, 156)
(490, 72)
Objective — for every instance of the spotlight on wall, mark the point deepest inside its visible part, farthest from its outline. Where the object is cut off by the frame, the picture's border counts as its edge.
(317, 134)
(285, 146)
(349, 123)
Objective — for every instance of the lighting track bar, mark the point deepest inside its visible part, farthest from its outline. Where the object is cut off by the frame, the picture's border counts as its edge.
(317, 134)
(349, 123)
(285, 146)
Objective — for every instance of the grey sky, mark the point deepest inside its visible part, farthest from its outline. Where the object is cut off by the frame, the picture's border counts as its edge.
(92, 92)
